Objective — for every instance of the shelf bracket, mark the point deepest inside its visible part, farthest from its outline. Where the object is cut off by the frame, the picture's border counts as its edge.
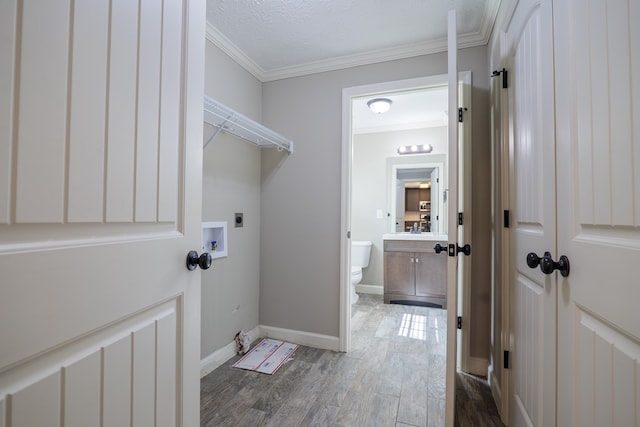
(218, 130)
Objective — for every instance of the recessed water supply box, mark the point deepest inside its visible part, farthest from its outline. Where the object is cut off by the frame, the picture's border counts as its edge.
(214, 238)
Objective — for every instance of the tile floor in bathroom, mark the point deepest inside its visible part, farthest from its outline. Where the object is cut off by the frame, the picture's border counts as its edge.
(393, 376)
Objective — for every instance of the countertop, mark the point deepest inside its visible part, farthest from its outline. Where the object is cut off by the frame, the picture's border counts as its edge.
(427, 237)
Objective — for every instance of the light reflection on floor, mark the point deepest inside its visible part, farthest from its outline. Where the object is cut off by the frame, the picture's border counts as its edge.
(413, 326)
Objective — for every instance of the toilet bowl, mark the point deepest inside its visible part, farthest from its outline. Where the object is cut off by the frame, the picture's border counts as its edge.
(360, 255)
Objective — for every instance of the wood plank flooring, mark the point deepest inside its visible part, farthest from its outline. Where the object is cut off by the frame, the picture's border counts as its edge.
(394, 376)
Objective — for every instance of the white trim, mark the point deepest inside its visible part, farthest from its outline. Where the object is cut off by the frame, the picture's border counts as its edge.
(464, 191)
(373, 57)
(370, 289)
(345, 212)
(220, 356)
(479, 38)
(234, 52)
(308, 339)
(496, 392)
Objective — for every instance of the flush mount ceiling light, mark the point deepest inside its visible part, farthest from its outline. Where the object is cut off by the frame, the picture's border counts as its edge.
(379, 105)
(415, 149)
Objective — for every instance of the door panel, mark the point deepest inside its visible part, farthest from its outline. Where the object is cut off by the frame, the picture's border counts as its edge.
(533, 296)
(598, 146)
(431, 275)
(99, 316)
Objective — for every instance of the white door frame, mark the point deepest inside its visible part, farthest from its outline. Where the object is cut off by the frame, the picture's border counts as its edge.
(347, 148)
(464, 80)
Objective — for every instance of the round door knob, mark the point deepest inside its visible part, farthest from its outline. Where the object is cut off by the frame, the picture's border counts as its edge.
(548, 265)
(533, 260)
(193, 260)
(439, 248)
(466, 249)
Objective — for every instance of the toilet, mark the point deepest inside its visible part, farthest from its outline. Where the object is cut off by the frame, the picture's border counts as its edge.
(360, 254)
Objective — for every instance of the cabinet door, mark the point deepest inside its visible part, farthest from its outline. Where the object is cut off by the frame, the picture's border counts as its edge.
(431, 274)
(412, 199)
(399, 273)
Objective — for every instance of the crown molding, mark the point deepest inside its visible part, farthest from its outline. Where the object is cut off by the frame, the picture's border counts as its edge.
(227, 46)
(467, 40)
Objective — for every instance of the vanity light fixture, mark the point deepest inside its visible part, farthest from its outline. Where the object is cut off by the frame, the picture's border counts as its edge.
(415, 149)
(379, 105)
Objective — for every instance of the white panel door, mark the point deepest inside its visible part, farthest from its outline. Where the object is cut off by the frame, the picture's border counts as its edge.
(597, 45)
(100, 201)
(452, 178)
(532, 186)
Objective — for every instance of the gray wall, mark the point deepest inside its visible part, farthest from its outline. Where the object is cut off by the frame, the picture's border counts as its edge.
(300, 245)
(230, 289)
(370, 183)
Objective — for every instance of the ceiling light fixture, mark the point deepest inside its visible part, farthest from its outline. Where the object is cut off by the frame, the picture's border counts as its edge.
(379, 105)
(415, 149)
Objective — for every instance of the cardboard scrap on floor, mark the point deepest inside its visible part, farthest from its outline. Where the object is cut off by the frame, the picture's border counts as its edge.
(267, 357)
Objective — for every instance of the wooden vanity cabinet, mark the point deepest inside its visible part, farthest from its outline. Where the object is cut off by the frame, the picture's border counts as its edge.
(414, 272)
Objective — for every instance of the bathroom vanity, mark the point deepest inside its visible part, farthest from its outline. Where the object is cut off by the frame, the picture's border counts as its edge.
(413, 272)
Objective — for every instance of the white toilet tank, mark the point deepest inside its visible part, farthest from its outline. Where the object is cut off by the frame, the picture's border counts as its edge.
(360, 253)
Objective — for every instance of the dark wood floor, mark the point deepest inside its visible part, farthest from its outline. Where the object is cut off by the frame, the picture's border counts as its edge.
(394, 376)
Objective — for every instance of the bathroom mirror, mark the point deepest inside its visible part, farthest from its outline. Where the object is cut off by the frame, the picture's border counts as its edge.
(405, 177)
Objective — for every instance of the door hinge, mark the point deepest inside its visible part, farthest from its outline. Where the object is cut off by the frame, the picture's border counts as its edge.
(460, 218)
(348, 234)
(505, 219)
(505, 81)
(460, 115)
(459, 322)
(506, 359)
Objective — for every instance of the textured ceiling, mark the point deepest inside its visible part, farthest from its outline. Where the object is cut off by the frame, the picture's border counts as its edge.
(281, 38)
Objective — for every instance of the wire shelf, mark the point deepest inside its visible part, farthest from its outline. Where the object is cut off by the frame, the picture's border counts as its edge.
(232, 122)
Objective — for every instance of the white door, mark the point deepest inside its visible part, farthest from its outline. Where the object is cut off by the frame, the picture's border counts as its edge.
(532, 179)
(452, 263)
(465, 362)
(597, 45)
(100, 194)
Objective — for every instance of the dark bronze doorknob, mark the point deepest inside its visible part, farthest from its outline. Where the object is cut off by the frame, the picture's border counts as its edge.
(466, 249)
(193, 260)
(439, 248)
(547, 264)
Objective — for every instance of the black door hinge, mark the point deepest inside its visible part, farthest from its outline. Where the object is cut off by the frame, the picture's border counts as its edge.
(505, 219)
(459, 322)
(460, 218)
(460, 110)
(505, 81)
(506, 359)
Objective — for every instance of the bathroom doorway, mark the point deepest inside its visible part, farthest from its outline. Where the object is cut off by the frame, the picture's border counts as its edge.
(426, 137)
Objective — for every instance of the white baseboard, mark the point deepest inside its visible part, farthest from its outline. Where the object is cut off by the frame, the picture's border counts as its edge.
(369, 289)
(308, 339)
(478, 366)
(220, 356)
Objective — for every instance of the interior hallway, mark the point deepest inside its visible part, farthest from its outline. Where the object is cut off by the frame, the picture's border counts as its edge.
(394, 376)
